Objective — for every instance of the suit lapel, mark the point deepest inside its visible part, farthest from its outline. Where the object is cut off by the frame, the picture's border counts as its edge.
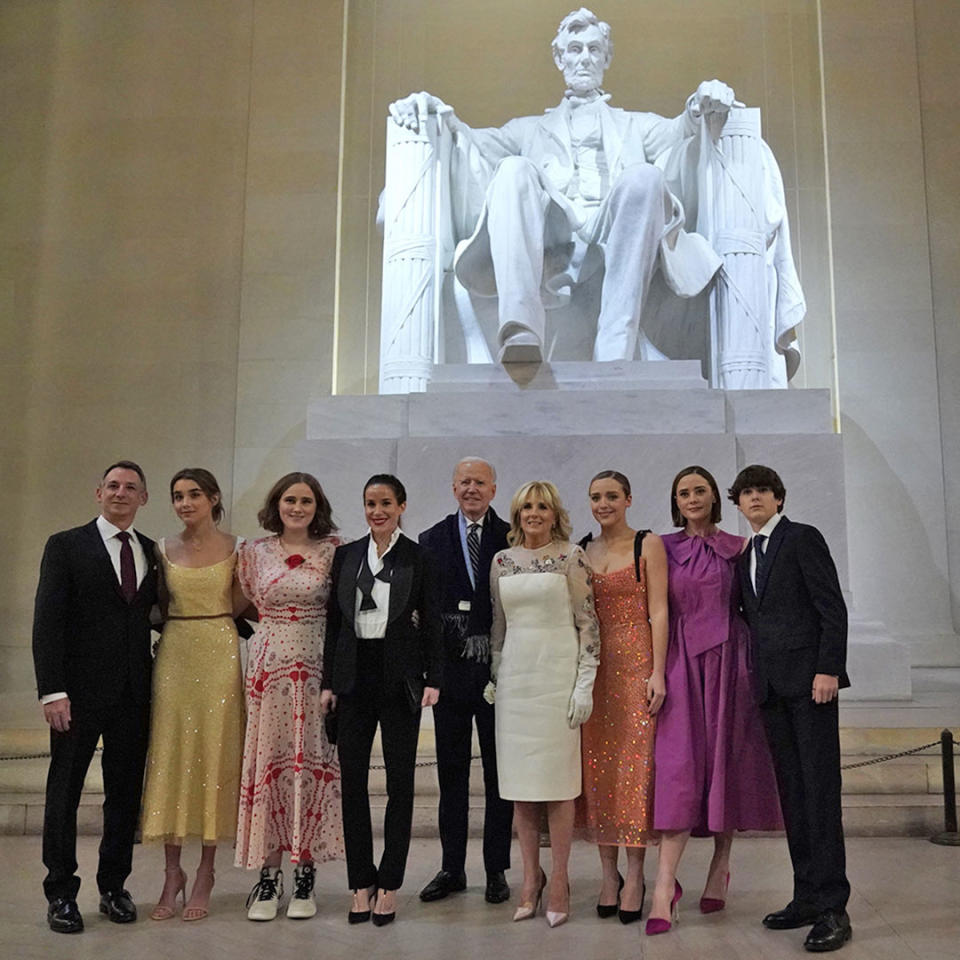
(347, 582)
(612, 141)
(770, 554)
(401, 580)
(456, 554)
(147, 546)
(555, 126)
(101, 557)
(749, 594)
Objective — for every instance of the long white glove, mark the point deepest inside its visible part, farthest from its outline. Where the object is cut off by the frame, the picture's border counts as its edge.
(581, 704)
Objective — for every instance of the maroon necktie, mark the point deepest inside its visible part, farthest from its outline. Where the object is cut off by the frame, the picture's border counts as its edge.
(128, 569)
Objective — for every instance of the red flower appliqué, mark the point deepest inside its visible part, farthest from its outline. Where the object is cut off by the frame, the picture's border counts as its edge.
(294, 560)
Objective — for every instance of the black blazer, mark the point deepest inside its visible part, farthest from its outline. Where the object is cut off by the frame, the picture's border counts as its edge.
(798, 624)
(413, 647)
(87, 640)
(443, 541)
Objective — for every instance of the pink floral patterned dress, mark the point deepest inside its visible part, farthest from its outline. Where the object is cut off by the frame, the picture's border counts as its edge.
(290, 784)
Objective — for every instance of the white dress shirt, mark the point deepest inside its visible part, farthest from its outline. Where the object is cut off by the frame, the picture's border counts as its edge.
(109, 533)
(372, 624)
(764, 531)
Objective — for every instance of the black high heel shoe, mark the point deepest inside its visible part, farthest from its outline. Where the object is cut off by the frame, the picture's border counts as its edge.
(632, 916)
(382, 919)
(607, 910)
(362, 916)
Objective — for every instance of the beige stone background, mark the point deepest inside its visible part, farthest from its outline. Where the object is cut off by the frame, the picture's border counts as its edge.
(169, 226)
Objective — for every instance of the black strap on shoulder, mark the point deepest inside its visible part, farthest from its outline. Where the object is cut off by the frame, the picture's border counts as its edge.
(637, 550)
(582, 543)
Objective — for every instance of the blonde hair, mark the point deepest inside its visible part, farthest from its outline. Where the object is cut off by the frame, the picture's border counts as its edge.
(538, 490)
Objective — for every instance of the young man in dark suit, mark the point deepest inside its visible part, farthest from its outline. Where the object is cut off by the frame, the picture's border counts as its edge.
(798, 621)
(464, 544)
(91, 650)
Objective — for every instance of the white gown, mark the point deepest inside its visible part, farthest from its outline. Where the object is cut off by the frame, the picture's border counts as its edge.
(545, 632)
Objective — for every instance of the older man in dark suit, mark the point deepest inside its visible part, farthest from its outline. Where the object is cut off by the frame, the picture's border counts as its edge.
(91, 649)
(464, 544)
(798, 620)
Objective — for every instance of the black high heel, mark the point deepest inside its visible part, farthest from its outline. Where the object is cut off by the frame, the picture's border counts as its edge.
(632, 916)
(362, 916)
(382, 919)
(607, 910)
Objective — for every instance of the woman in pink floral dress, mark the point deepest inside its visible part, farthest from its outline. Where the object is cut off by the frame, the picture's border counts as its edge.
(290, 786)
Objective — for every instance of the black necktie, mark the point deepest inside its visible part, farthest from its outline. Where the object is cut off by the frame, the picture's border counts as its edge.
(473, 547)
(760, 576)
(128, 569)
(366, 578)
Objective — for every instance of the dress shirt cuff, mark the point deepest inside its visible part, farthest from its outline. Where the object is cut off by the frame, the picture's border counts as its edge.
(51, 697)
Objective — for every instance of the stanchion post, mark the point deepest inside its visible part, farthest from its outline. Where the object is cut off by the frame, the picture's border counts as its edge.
(950, 837)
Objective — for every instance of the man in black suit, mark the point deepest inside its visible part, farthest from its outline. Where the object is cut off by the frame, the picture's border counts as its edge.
(798, 620)
(464, 544)
(91, 650)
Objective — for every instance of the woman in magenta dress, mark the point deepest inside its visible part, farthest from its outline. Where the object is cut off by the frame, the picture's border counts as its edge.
(290, 786)
(714, 774)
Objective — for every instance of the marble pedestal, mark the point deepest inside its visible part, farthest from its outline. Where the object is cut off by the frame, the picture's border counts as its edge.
(567, 434)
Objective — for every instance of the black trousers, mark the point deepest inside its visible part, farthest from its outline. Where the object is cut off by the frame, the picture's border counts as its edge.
(460, 706)
(373, 701)
(804, 738)
(124, 727)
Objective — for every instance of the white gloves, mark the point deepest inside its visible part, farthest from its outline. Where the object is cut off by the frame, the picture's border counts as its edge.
(581, 705)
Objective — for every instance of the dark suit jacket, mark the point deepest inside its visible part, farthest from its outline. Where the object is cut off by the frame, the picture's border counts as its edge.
(413, 646)
(443, 541)
(87, 640)
(799, 622)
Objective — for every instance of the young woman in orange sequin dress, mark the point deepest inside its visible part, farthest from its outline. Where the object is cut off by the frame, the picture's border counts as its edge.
(630, 592)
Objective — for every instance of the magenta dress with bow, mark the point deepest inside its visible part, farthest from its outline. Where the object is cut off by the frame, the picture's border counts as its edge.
(713, 767)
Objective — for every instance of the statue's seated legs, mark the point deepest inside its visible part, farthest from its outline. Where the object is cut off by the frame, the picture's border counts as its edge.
(524, 223)
(517, 207)
(628, 228)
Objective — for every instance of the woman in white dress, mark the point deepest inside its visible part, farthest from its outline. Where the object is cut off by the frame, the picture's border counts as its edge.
(546, 646)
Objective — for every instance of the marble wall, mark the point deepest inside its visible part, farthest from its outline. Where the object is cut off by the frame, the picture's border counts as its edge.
(168, 242)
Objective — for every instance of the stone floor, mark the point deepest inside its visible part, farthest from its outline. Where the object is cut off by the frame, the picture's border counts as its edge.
(904, 905)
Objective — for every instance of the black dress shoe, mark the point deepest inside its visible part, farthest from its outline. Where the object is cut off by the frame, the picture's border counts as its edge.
(63, 916)
(118, 906)
(442, 885)
(497, 889)
(831, 931)
(632, 916)
(382, 919)
(793, 915)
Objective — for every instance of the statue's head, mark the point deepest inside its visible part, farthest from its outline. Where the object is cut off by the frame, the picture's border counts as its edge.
(582, 50)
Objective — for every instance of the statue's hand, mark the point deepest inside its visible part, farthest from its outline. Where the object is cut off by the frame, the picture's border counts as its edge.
(713, 96)
(413, 110)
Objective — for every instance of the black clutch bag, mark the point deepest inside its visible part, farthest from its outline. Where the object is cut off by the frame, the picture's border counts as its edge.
(330, 726)
(414, 689)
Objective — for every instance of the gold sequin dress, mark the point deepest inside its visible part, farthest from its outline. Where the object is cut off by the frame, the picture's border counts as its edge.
(197, 718)
(616, 806)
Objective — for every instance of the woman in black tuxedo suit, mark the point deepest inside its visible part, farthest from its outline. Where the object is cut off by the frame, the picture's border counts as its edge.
(382, 662)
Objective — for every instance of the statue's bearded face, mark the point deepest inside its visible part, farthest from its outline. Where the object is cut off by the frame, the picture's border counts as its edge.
(583, 60)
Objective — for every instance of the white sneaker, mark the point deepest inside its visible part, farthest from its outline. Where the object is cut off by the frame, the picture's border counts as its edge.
(302, 906)
(265, 896)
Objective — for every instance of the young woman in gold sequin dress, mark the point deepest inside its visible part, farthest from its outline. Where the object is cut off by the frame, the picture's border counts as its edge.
(630, 593)
(196, 729)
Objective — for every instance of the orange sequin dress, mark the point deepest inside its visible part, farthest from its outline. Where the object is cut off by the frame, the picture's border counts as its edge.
(616, 806)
